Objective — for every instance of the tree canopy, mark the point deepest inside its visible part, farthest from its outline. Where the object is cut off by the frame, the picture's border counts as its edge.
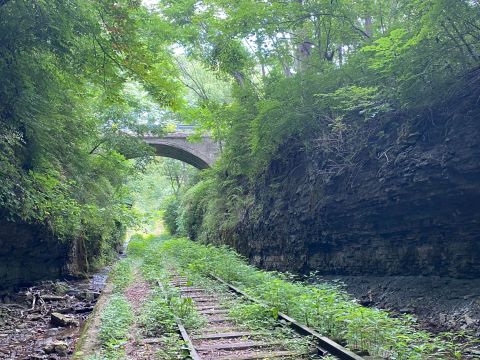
(79, 77)
(68, 105)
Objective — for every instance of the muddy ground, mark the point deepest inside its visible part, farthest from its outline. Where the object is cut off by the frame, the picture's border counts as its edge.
(439, 303)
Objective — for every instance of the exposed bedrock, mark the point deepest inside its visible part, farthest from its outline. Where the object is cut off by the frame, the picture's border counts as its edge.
(29, 253)
(408, 204)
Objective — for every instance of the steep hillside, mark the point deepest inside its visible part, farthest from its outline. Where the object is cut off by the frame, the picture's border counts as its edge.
(394, 195)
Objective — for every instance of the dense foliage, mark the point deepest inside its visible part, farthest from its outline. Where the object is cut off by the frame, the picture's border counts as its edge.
(70, 98)
(80, 77)
(324, 75)
(324, 307)
(117, 315)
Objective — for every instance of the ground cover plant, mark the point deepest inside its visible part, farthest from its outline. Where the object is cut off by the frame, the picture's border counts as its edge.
(261, 319)
(325, 308)
(117, 316)
(158, 273)
(130, 317)
(165, 304)
(164, 307)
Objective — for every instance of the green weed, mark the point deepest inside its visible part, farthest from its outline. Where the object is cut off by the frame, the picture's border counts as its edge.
(157, 317)
(121, 275)
(326, 308)
(115, 322)
(253, 316)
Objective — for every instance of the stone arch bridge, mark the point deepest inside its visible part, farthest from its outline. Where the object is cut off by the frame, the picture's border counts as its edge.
(175, 145)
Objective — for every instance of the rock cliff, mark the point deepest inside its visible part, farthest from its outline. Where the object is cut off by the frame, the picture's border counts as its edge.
(407, 201)
(29, 253)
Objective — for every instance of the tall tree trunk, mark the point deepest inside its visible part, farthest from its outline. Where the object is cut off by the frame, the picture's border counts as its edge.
(368, 25)
(238, 76)
(340, 54)
(304, 50)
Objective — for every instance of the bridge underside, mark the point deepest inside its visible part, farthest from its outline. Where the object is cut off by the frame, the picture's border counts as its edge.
(180, 154)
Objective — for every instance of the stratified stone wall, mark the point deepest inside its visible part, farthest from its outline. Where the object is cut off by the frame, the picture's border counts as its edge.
(409, 204)
(29, 253)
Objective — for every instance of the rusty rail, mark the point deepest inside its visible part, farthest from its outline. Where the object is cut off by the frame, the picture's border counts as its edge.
(325, 344)
(193, 352)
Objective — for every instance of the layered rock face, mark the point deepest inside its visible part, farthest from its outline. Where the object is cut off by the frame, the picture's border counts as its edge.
(29, 253)
(407, 204)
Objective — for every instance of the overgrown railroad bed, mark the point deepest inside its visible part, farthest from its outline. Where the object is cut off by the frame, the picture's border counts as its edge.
(164, 282)
(231, 333)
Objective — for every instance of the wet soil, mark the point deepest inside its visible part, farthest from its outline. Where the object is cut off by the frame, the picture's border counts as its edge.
(26, 327)
(440, 303)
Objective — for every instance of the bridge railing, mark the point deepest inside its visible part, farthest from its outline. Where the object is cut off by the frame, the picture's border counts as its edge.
(185, 128)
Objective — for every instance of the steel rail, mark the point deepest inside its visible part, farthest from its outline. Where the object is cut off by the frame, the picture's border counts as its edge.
(193, 352)
(326, 344)
(183, 332)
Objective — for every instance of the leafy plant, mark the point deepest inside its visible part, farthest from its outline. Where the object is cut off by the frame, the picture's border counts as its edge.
(158, 318)
(121, 275)
(115, 322)
(326, 308)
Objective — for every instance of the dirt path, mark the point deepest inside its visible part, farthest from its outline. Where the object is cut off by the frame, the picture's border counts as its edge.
(137, 347)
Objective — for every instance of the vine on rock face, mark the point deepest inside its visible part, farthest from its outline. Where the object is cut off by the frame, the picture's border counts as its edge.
(331, 82)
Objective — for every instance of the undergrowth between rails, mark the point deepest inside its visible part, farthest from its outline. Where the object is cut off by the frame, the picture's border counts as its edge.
(156, 319)
(159, 313)
(258, 318)
(323, 307)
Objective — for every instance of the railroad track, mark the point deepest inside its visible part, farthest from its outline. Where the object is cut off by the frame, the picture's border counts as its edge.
(223, 339)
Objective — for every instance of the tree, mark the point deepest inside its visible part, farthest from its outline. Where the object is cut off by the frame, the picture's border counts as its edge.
(64, 105)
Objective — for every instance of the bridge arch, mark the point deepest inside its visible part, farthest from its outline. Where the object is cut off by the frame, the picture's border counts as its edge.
(176, 146)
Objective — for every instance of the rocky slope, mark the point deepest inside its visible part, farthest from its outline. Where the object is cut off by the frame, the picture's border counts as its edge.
(440, 303)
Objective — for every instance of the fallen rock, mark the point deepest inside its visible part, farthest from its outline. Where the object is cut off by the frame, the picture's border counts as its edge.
(35, 317)
(58, 319)
(85, 309)
(365, 302)
(87, 295)
(468, 320)
(152, 341)
(56, 347)
(442, 318)
(49, 297)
